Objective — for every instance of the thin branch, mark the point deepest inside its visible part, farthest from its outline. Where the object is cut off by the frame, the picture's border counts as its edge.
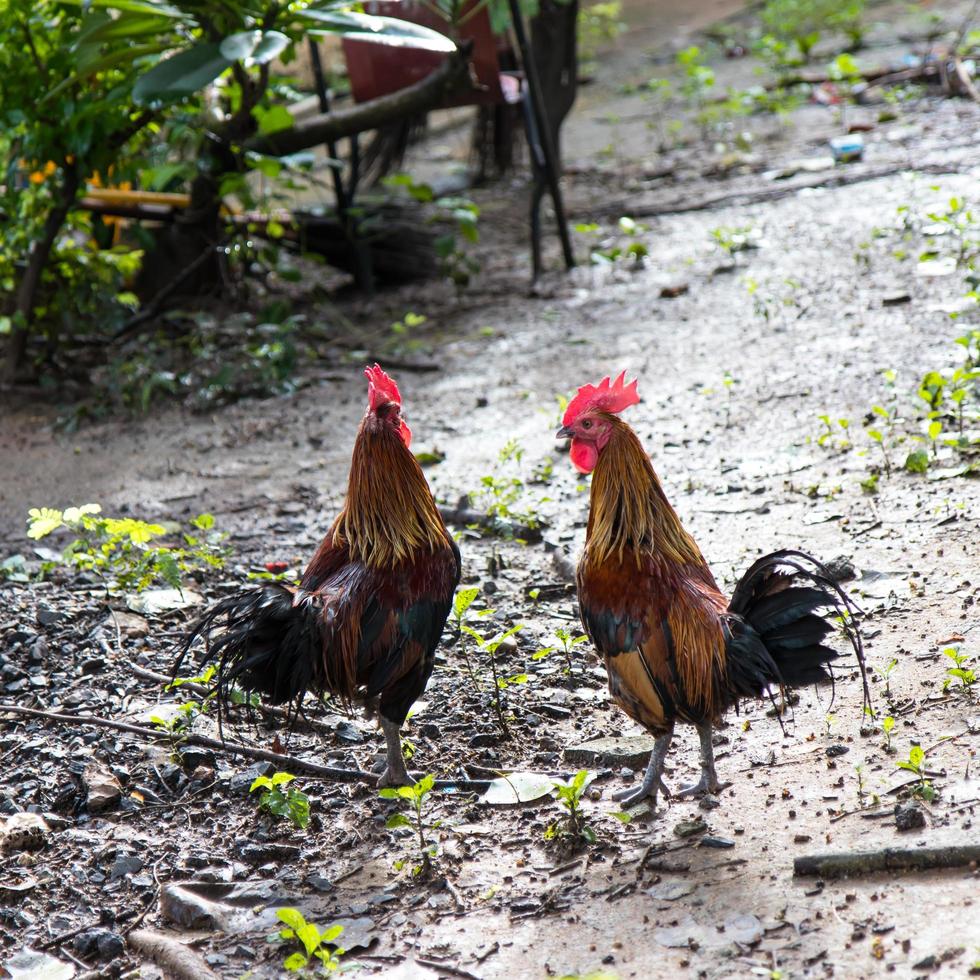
(330, 773)
(450, 78)
(849, 863)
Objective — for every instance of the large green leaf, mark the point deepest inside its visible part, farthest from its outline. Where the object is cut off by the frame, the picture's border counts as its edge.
(254, 47)
(182, 74)
(135, 6)
(272, 44)
(368, 26)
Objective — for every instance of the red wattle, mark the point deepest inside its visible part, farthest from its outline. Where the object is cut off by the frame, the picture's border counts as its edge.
(406, 433)
(584, 456)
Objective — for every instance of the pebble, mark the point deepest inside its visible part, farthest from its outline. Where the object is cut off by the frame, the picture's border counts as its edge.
(619, 751)
(101, 943)
(909, 816)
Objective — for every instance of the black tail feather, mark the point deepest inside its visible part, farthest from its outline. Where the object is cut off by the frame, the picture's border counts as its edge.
(786, 624)
(262, 642)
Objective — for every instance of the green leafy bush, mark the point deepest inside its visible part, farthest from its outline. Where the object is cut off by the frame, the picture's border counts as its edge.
(121, 550)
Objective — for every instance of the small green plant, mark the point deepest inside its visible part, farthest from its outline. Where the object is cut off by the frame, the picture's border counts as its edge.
(180, 724)
(119, 550)
(416, 796)
(967, 676)
(916, 764)
(315, 942)
(885, 674)
(566, 640)
(734, 240)
(887, 727)
(402, 341)
(800, 22)
(490, 645)
(830, 437)
(292, 804)
(502, 497)
(571, 829)
(698, 79)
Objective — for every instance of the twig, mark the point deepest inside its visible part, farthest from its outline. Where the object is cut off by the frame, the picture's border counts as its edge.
(171, 955)
(836, 178)
(846, 863)
(235, 748)
(456, 971)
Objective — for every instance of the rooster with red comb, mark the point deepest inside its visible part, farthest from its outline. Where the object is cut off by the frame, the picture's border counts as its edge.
(675, 648)
(364, 623)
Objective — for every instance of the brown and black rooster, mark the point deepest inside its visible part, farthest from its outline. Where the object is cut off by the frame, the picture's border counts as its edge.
(675, 648)
(364, 623)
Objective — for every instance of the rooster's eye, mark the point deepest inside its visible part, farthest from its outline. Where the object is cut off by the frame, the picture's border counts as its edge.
(586, 424)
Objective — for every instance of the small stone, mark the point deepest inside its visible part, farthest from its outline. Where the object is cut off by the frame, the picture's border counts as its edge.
(104, 790)
(721, 843)
(675, 290)
(841, 569)
(100, 943)
(188, 910)
(125, 865)
(23, 832)
(896, 298)
(909, 816)
(483, 740)
(835, 750)
(192, 757)
(348, 732)
(620, 751)
(319, 883)
(555, 711)
(46, 616)
(709, 802)
(39, 651)
(688, 828)
(241, 781)
(263, 853)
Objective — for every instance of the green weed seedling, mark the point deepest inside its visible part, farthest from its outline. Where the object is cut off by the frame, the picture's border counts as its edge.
(490, 645)
(462, 616)
(120, 550)
(885, 673)
(571, 829)
(916, 764)
(315, 942)
(292, 804)
(888, 726)
(734, 240)
(500, 496)
(967, 676)
(416, 796)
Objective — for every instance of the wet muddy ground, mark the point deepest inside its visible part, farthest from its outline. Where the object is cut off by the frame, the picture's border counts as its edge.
(737, 359)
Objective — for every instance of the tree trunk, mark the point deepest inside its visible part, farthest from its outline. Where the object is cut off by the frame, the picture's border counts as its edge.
(30, 283)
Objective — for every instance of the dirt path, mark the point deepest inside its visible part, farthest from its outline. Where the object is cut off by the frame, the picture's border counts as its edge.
(735, 373)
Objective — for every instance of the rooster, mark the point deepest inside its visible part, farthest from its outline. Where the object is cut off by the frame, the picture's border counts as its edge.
(675, 649)
(365, 620)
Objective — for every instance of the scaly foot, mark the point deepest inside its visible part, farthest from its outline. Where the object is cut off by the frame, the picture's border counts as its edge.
(708, 783)
(628, 797)
(396, 776)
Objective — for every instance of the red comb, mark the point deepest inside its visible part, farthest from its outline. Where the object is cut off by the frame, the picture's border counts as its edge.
(606, 396)
(381, 388)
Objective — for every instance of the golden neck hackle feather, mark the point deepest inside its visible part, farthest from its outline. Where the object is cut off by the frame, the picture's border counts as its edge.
(389, 514)
(628, 506)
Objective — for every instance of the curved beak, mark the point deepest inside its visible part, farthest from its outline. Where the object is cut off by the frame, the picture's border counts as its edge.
(564, 433)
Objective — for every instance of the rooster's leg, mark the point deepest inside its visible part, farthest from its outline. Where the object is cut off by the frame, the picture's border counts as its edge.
(395, 773)
(708, 783)
(653, 780)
